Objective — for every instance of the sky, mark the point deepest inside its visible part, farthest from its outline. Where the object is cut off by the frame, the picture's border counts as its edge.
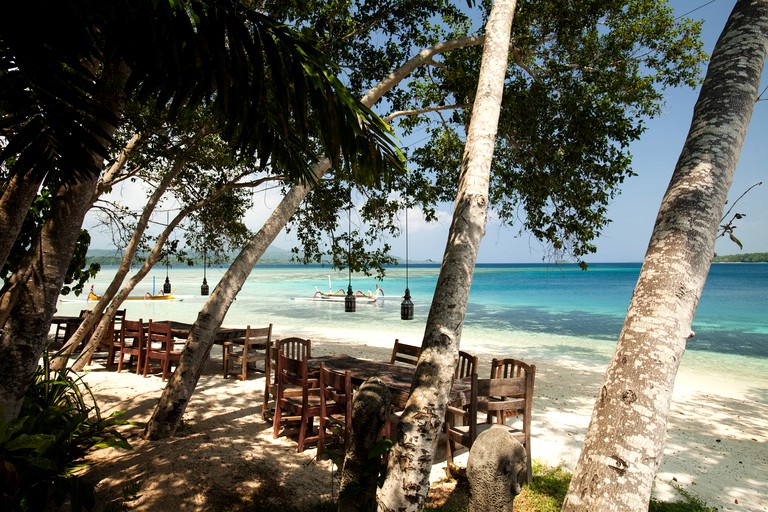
(633, 212)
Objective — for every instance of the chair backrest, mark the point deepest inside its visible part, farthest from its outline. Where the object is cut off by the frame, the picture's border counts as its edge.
(257, 338)
(134, 331)
(295, 348)
(465, 366)
(508, 367)
(335, 393)
(159, 332)
(515, 380)
(403, 353)
(117, 322)
(291, 371)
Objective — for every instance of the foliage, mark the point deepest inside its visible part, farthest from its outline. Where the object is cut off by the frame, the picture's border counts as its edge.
(79, 270)
(43, 450)
(751, 257)
(583, 78)
(270, 89)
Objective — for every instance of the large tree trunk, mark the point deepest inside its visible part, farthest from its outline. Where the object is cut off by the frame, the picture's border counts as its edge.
(177, 393)
(26, 332)
(17, 197)
(410, 460)
(625, 440)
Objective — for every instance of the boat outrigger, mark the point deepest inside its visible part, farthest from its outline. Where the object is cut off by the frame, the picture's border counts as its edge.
(340, 294)
(146, 296)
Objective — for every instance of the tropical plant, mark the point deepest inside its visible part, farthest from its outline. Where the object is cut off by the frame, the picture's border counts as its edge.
(43, 450)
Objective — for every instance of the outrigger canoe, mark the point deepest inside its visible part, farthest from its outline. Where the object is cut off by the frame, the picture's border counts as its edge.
(146, 296)
(341, 294)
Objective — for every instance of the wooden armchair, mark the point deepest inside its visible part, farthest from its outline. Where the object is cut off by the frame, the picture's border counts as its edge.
(403, 353)
(335, 404)
(296, 348)
(497, 398)
(292, 374)
(160, 347)
(131, 344)
(253, 349)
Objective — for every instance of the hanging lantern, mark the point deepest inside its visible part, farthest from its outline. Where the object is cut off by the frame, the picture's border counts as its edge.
(167, 284)
(350, 303)
(406, 307)
(204, 287)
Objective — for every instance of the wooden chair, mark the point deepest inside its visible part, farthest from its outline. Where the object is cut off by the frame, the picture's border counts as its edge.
(335, 404)
(497, 398)
(403, 353)
(160, 347)
(304, 407)
(131, 344)
(111, 341)
(256, 341)
(297, 348)
(465, 366)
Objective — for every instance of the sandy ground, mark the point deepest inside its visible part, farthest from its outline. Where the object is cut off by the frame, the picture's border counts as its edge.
(224, 457)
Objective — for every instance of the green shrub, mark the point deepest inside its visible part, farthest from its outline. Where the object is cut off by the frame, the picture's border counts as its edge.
(43, 451)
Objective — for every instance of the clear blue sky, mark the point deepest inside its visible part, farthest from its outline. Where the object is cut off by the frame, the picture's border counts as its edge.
(633, 212)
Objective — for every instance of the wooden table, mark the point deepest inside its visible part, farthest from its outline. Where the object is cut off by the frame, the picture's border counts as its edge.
(396, 377)
(70, 323)
(181, 330)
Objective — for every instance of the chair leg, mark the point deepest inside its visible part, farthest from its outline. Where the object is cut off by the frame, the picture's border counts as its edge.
(244, 369)
(276, 420)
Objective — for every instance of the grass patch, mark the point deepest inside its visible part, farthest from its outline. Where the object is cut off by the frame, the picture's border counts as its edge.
(546, 494)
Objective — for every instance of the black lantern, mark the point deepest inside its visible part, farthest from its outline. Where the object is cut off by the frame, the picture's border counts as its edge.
(167, 284)
(406, 307)
(350, 303)
(204, 287)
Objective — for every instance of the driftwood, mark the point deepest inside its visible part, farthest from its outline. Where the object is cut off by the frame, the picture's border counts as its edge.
(370, 407)
(496, 469)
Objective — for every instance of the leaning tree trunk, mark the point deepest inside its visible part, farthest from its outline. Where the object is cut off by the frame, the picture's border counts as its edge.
(177, 393)
(105, 321)
(625, 440)
(20, 191)
(154, 256)
(410, 460)
(26, 332)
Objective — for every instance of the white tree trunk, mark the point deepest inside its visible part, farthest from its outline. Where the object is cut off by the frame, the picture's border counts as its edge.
(411, 458)
(625, 440)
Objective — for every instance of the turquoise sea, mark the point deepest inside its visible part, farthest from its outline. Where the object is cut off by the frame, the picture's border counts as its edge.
(531, 310)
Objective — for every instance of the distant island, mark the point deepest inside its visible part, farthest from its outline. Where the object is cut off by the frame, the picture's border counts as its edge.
(750, 257)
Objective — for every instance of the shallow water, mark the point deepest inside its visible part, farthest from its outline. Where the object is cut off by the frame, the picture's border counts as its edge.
(533, 311)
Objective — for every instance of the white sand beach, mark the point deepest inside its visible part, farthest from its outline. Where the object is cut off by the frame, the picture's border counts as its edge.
(224, 455)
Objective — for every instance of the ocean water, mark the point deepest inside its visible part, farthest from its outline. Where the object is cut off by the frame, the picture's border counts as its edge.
(532, 311)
